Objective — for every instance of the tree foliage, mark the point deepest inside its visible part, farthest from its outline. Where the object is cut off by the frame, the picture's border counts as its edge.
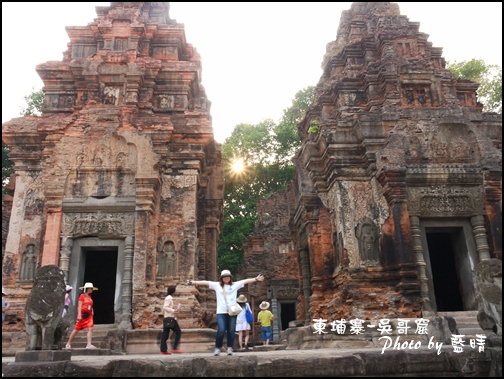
(489, 78)
(6, 166)
(265, 149)
(34, 101)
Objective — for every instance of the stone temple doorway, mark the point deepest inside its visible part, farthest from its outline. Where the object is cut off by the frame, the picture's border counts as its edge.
(101, 262)
(100, 269)
(287, 310)
(451, 257)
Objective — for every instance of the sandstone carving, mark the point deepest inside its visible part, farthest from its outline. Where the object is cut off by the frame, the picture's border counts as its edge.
(367, 235)
(29, 262)
(44, 309)
(489, 274)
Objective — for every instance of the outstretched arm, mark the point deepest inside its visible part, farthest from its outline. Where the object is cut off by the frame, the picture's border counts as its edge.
(198, 282)
(258, 278)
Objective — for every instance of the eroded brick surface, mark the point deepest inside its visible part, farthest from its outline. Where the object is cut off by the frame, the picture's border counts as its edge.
(403, 153)
(122, 162)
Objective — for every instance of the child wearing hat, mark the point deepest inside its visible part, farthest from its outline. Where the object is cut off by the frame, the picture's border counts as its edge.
(265, 317)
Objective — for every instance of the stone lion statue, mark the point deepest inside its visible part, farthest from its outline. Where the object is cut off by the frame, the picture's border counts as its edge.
(44, 309)
(490, 287)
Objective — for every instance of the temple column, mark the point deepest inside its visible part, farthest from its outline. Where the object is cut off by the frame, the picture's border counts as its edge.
(305, 272)
(127, 284)
(422, 274)
(66, 251)
(479, 232)
(274, 310)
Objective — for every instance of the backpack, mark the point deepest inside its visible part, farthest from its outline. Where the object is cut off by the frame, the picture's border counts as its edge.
(248, 315)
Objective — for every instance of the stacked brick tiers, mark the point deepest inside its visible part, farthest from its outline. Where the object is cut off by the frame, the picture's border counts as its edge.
(403, 155)
(123, 162)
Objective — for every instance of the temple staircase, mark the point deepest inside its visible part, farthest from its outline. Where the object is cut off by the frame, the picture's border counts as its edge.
(100, 333)
(467, 323)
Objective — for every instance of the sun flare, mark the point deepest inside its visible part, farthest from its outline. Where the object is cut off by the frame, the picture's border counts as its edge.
(238, 166)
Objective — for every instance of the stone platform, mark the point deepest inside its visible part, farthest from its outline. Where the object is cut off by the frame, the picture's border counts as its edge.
(285, 363)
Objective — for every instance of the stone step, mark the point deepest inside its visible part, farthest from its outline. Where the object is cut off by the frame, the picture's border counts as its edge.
(270, 347)
(471, 331)
(84, 351)
(467, 324)
(455, 314)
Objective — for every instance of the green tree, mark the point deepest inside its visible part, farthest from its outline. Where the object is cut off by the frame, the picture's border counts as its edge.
(33, 107)
(34, 101)
(489, 78)
(265, 150)
(6, 166)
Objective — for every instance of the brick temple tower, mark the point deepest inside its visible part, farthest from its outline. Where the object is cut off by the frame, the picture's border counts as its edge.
(120, 181)
(397, 193)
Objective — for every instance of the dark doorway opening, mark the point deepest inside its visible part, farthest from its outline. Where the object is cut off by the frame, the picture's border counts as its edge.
(287, 314)
(446, 281)
(101, 268)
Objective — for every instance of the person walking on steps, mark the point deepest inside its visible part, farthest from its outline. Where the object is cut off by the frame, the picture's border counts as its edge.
(242, 326)
(225, 291)
(85, 314)
(170, 322)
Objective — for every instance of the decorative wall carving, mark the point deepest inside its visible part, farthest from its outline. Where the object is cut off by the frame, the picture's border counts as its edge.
(99, 223)
(167, 260)
(29, 262)
(285, 289)
(110, 95)
(367, 234)
(178, 181)
(166, 102)
(437, 201)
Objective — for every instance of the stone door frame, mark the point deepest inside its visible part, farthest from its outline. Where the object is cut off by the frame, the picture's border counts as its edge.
(77, 270)
(469, 250)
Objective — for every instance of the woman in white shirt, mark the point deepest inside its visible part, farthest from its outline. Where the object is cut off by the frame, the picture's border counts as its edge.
(225, 322)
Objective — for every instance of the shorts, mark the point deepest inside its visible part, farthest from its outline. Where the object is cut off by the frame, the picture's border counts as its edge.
(242, 326)
(266, 332)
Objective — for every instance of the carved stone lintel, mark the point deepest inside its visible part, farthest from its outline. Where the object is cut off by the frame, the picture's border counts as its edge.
(444, 201)
(81, 224)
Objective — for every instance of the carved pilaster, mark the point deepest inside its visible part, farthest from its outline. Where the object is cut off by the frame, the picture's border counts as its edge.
(422, 275)
(305, 272)
(394, 185)
(127, 284)
(274, 310)
(479, 231)
(65, 252)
